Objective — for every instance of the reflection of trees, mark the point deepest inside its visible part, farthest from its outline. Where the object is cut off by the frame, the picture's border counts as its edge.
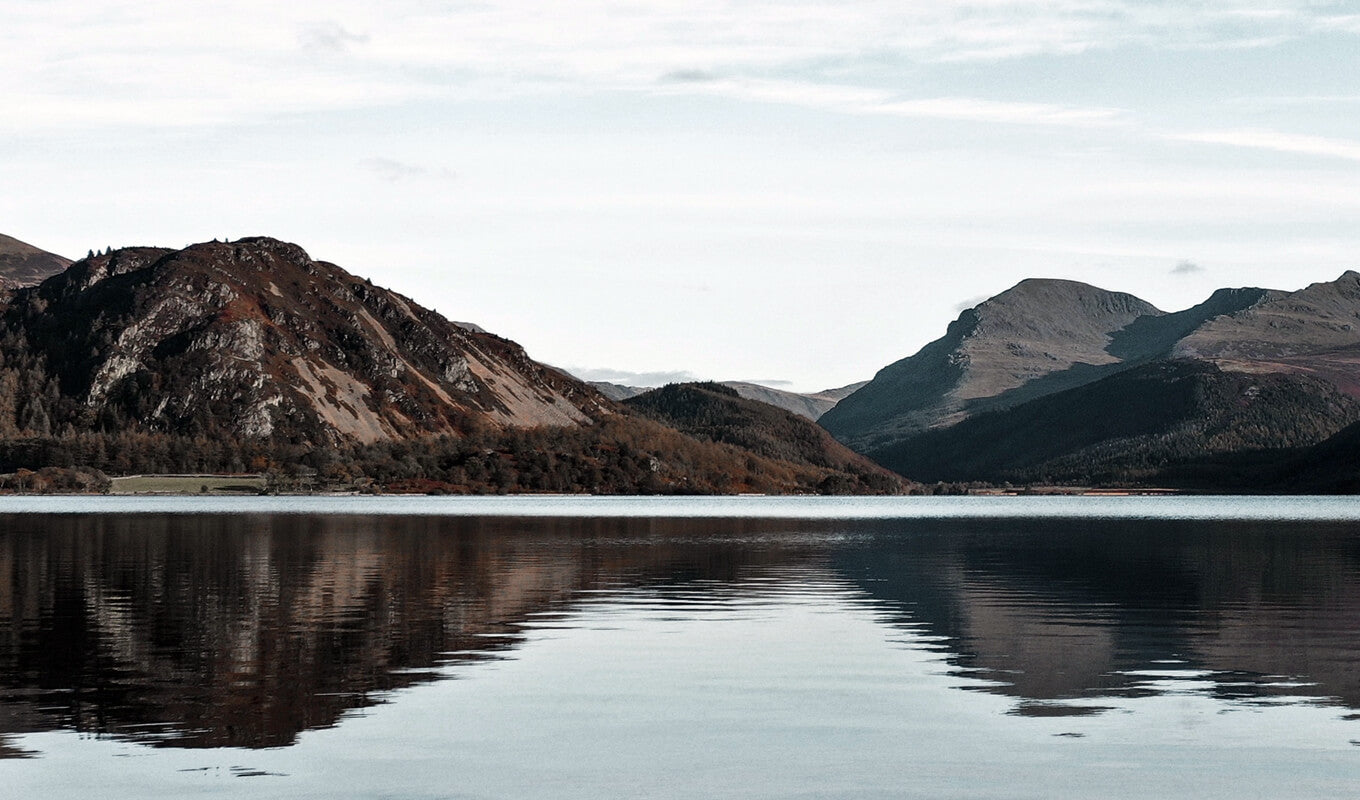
(244, 631)
(1063, 610)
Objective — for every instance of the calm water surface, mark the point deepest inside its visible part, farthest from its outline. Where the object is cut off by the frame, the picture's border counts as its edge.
(1159, 647)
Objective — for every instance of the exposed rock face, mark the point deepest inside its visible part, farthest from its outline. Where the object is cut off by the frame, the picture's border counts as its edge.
(255, 339)
(22, 264)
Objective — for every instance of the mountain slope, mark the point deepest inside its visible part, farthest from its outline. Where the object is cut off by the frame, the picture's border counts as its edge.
(1314, 331)
(715, 412)
(1330, 467)
(253, 338)
(1163, 423)
(1035, 329)
(22, 264)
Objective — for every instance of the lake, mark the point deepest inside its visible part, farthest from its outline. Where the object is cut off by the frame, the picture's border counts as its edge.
(679, 648)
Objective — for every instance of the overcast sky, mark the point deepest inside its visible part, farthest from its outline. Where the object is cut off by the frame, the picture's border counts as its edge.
(799, 191)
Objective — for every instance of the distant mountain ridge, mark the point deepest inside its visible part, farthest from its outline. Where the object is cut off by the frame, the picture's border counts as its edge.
(810, 405)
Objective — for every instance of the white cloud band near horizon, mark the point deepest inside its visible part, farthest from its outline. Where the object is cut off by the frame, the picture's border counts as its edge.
(802, 188)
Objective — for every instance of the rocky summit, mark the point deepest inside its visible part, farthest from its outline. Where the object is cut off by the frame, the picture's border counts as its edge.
(254, 338)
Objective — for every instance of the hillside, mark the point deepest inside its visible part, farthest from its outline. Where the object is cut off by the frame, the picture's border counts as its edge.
(717, 413)
(1181, 423)
(22, 264)
(1330, 467)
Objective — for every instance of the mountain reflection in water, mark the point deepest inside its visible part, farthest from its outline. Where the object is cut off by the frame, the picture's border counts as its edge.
(246, 630)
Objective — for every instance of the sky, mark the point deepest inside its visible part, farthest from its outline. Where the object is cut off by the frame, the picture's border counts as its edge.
(795, 192)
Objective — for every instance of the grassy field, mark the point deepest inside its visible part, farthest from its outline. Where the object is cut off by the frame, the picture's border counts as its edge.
(188, 484)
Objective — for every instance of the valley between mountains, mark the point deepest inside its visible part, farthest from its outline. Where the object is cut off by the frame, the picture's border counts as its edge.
(250, 357)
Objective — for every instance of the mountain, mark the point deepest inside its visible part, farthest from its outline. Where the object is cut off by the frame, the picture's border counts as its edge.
(250, 355)
(718, 413)
(254, 338)
(1197, 398)
(811, 406)
(23, 264)
(1036, 329)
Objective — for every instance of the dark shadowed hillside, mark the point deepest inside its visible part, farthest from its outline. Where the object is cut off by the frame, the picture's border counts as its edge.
(717, 413)
(1183, 423)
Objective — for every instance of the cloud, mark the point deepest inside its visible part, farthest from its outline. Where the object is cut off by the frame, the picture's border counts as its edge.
(629, 378)
(688, 76)
(971, 302)
(393, 171)
(974, 109)
(1184, 267)
(859, 100)
(1294, 143)
(159, 62)
(328, 35)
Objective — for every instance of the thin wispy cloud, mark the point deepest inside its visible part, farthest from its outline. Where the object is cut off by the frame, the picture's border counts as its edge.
(972, 302)
(1293, 143)
(1185, 267)
(392, 170)
(330, 36)
(201, 62)
(846, 99)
